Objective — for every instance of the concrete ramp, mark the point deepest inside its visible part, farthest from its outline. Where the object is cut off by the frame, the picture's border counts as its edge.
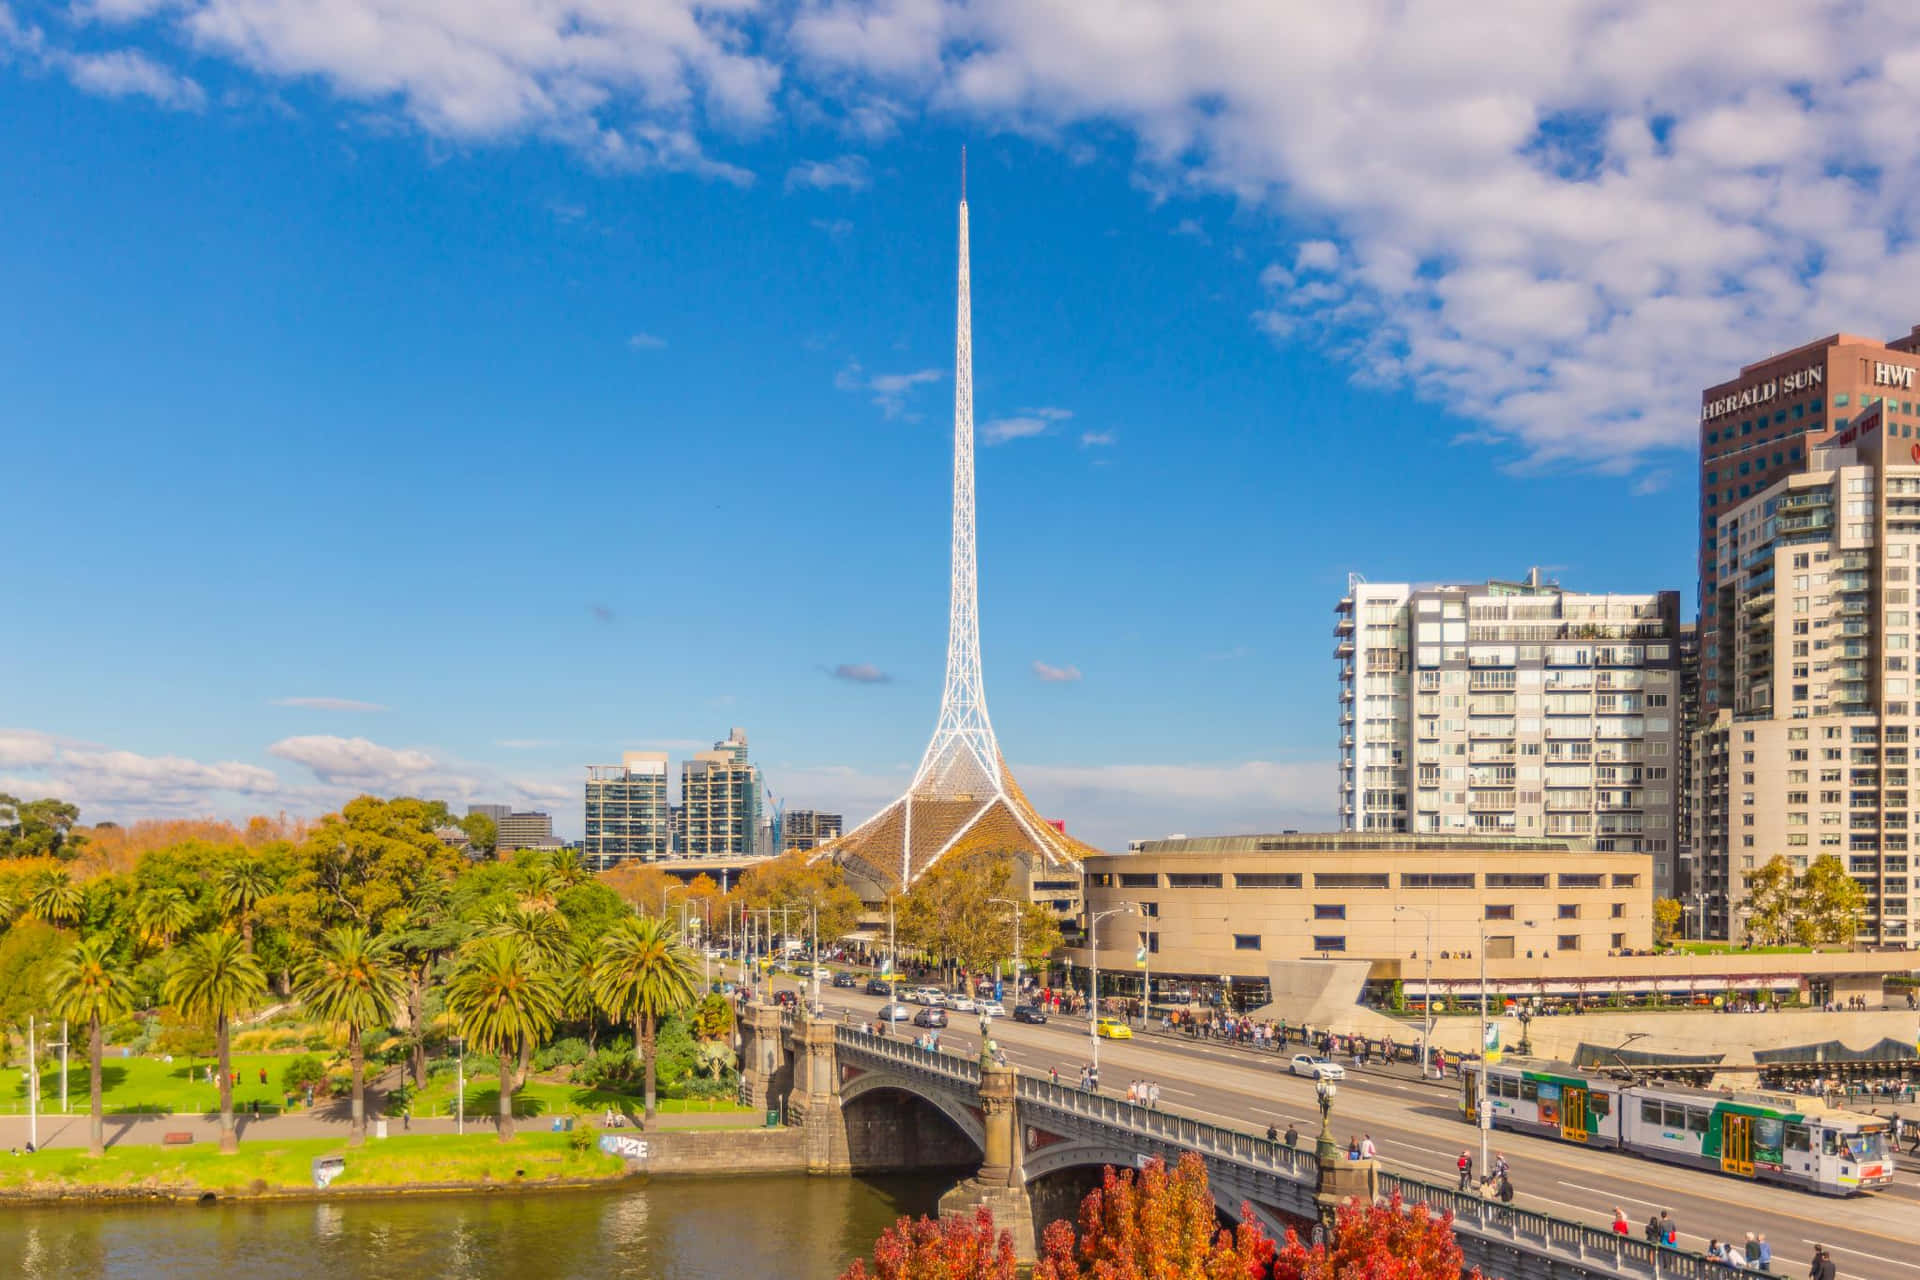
(1325, 995)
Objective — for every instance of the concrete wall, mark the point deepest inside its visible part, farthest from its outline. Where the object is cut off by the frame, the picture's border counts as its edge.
(690, 1152)
(888, 1129)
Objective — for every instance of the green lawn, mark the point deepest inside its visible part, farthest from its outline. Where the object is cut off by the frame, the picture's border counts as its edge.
(547, 1098)
(394, 1162)
(149, 1084)
(1722, 949)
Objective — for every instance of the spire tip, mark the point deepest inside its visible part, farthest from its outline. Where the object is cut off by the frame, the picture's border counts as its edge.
(963, 173)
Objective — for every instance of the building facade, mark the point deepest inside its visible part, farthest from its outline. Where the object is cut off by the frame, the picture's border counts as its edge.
(1813, 694)
(721, 796)
(1764, 424)
(626, 811)
(805, 828)
(494, 811)
(525, 830)
(1227, 906)
(1512, 709)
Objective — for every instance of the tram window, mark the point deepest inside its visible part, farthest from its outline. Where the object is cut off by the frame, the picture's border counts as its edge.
(1696, 1120)
(1676, 1116)
(1509, 1087)
(1797, 1138)
(1599, 1104)
(1529, 1091)
(1829, 1144)
(1650, 1113)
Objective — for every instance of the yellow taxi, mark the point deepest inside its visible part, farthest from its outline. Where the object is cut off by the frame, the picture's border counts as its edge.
(1112, 1029)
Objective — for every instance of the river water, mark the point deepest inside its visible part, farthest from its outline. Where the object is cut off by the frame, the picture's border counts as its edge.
(768, 1228)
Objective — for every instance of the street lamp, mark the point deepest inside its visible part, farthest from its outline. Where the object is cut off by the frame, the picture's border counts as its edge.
(1014, 903)
(1426, 994)
(1093, 948)
(460, 1086)
(1324, 1089)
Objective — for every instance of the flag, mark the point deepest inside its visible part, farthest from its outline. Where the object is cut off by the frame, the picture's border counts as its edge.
(1490, 1051)
(886, 967)
(1140, 958)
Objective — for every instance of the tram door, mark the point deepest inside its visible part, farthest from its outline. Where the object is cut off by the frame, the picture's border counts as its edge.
(1470, 1095)
(1736, 1145)
(1573, 1114)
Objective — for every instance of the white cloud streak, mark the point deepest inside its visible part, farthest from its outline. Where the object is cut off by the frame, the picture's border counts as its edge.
(329, 704)
(1055, 675)
(850, 172)
(889, 391)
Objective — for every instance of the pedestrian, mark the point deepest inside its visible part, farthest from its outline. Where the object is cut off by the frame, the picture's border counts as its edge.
(1353, 1147)
(406, 1117)
(1751, 1253)
(1273, 1134)
(1620, 1227)
(1053, 1076)
(1765, 1262)
(1293, 1137)
(1133, 1092)
(1153, 1096)
(1465, 1165)
(1821, 1267)
(1654, 1233)
(1367, 1151)
(1506, 1189)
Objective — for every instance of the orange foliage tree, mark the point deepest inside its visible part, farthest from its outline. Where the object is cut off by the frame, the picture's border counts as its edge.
(1377, 1242)
(956, 1249)
(1158, 1225)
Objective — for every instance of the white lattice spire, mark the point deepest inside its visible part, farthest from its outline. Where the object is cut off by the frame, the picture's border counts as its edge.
(963, 759)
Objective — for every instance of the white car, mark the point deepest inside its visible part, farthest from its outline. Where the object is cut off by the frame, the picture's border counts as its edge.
(960, 1004)
(1305, 1064)
(895, 1012)
(821, 971)
(992, 1008)
(933, 997)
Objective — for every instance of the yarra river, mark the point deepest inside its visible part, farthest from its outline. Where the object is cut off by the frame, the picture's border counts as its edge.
(768, 1228)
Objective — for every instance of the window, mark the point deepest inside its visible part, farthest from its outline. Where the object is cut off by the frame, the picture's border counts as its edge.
(1618, 942)
(1567, 942)
(1696, 1120)
(1529, 1091)
(1650, 1113)
(1569, 881)
(1326, 911)
(1150, 909)
(1139, 880)
(1328, 942)
(1673, 1116)
(1436, 880)
(1350, 880)
(1569, 911)
(1619, 911)
(1499, 912)
(1246, 942)
(1626, 880)
(1266, 880)
(1797, 1139)
(1516, 880)
(1193, 880)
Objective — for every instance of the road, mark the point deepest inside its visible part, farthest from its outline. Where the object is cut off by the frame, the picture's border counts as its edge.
(1417, 1130)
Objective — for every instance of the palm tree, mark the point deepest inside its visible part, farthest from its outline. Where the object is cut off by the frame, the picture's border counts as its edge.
(644, 973)
(217, 977)
(545, 932)
(503, 999)
(88, 985)
(566, 865)
(540, 886)
(55, 898)
(162, 915)
(353, 981)
(241, 883)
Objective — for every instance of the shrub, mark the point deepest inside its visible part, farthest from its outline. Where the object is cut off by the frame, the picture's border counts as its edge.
(585, 1137)
(568, 1052)
(303, 1071)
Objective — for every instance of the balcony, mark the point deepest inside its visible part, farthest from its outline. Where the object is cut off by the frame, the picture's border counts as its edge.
(1343, 625)
(1344, 649)
(1853, 607)
(1849, 695)
(1856, 560)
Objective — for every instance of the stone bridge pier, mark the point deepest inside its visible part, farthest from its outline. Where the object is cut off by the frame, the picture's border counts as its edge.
(1000, 1184)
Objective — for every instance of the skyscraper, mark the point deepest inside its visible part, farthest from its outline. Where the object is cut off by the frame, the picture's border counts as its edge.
(807, 828)
(626, 810)
(1808, 752)
(1512, 708)
(525, 830)
(721, 796)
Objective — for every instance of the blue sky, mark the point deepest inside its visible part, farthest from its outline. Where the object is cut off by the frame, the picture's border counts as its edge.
(500, 409)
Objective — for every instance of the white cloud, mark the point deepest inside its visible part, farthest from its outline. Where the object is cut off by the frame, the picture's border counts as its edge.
(22, 747)
(123, 73)
(353, 761)
(859, 673)
(646, 342)
(1094, 439)
(850, 172)
(1316, 255)
(328, 704)
(836, 228)
(1001, 430)
(1651, 482)
(110, 783)
(887, 390)
(1055, 675)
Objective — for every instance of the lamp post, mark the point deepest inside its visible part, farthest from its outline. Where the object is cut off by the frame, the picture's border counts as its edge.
(1426, 995)
(460, 1085)
(1485, 1107)
(813, 907)
(1014, 904)
(1324, 1090)
(1093, 949)
(33, 1090)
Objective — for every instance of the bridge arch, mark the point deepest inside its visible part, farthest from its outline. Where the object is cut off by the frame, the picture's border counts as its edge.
(1082, 1154)
(947, 1104)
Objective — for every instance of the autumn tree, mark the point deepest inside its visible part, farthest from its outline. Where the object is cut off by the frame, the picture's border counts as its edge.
(1770, 902)
(639, 884)
(1377, 1242)
(952, 1249)
(951, 913)
(1666, 918)
(793, 882)
(368, 864)
(1156, 1225)
(1830, 903)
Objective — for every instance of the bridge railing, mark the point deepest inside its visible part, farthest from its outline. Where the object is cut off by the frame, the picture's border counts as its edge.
(1180, 1130)
(1531, 1229)
(956, 1067)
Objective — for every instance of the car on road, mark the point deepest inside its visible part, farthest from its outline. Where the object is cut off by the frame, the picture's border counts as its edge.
(1112, 1029)
(846, 980)
(785, 998)
(933, 997)
(930, 1017)
(960, 1004)
(820, 971)
(991, 1009)
(879, 987)
(1029, 1013)
(1314, 1068)
(893, 1011)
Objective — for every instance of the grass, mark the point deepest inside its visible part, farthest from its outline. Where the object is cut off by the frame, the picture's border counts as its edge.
(1722, 949)
(130, 1085)
(276, 1165)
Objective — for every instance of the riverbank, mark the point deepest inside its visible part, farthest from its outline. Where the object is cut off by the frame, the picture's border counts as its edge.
(283, 1168)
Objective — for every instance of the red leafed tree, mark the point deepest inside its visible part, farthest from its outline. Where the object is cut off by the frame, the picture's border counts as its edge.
(1377, 1242)
(1159, 1225)
(956, 1249)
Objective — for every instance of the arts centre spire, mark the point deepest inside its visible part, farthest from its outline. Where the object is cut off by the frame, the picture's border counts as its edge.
(962, 798)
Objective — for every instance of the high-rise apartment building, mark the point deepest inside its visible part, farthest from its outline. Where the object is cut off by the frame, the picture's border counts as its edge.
(1763, 425)
(525, 830)
(805, 828)
(1813, 675)
(626, 813)
(720, 793)
(1512, 708)
(494, 811)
